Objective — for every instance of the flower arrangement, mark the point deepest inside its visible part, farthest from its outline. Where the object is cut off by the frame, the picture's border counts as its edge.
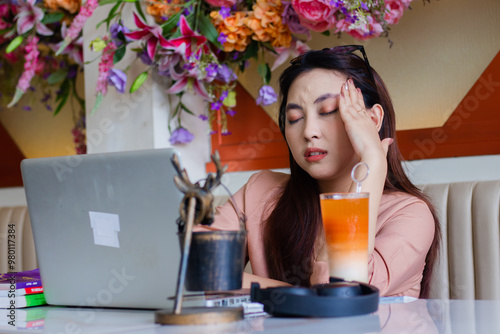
(30, 34)
(200, 45)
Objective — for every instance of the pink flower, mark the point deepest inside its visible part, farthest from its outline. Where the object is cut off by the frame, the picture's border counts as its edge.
(30, 16)
(395, 9)
(86, 11)
(151, 35)
(5, 15)
(76, 26)
(188, 43)
(105, 65)
(30, 65)
(221, 3)
(317, 15)
(295, 49)
(74, 49)
(180, 59)
(361, 32)
(32, 53)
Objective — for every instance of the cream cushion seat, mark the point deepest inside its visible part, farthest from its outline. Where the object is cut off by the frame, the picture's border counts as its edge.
(468, 265)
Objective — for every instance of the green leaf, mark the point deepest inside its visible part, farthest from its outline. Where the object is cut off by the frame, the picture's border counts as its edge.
(326, 33)
(63, 89)
(107, 21)
(115, 8)
(112, 13)
(57, 77)
(139, 81)
(98, 101)
(208, 30)
(17, 96)
(171, 23)
(75, 94)
(265, 72)
(139, 10)
(119, 53)
(252, 50)
(63, 95)
(61, 104)
(4, 31)
(269, 47)
(241, 66)
(106, 2)
(187, 110)
(14, 44)
(49, 18)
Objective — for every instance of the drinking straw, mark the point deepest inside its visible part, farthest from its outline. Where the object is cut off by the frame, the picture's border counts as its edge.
(359, 180)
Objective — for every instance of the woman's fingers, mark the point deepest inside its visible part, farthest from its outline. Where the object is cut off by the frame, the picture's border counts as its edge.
(352, 99)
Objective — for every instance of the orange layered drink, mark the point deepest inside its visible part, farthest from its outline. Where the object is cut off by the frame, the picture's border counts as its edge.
(345, 220)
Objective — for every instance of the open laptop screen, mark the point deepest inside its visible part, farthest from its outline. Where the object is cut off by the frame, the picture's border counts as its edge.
(105, 228)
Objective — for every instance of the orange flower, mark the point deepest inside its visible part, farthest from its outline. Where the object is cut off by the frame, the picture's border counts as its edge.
(161, 8)
(71, 6)
(265, 22)
(235, 29)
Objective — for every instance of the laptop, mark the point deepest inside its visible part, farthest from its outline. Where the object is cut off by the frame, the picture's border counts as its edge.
(104, 227)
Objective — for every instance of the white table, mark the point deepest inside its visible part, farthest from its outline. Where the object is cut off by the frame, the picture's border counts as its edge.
(421, 316)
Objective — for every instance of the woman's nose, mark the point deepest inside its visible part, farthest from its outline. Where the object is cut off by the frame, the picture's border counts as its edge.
(311, 128)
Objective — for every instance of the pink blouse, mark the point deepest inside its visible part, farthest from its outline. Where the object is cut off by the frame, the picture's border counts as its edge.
(405, 230)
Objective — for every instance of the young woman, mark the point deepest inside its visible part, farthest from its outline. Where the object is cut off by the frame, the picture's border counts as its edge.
(335, 112)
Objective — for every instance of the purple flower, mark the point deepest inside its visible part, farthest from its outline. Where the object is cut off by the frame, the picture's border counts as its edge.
(231, 112)
(27, 108)
(223, 95)
(211, 70)
(226, 74)
(46, 98)
(118, 32)
(72, 70)
(216, 105)
(226, 133)
(222, 38)
(181, 136)
(145, 58)
(291, 18)
(225, 12)
(364, 6)
(118, 79)
(203, 117)
(267, 96)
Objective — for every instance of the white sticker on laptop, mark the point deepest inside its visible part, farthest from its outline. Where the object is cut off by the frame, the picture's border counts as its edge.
(105, 227)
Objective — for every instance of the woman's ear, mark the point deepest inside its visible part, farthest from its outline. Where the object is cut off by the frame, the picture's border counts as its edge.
(376, 114)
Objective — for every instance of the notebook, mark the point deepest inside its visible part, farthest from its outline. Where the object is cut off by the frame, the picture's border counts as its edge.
(105, 228)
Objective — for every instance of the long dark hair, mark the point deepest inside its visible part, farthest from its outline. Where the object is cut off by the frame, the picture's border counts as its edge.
(292, 228)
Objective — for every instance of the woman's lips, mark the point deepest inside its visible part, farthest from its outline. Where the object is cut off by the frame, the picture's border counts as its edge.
(314, 154)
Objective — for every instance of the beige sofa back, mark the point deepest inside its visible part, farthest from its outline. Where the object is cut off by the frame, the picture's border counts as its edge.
(469, 262)
(17, 249)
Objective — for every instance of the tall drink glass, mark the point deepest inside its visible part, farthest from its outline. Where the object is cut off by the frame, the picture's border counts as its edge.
(345, 220)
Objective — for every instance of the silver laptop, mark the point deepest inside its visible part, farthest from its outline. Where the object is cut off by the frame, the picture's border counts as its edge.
(105, 227)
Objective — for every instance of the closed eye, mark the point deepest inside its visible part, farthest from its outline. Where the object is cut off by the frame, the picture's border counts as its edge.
(329, 112)
(293, 121)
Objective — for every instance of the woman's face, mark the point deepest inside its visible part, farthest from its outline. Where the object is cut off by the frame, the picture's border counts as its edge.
(315, 131)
